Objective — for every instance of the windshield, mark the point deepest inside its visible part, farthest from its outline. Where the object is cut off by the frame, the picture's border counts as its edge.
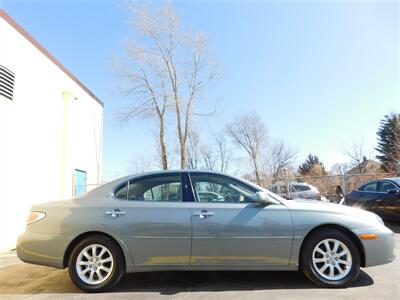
(396, 180)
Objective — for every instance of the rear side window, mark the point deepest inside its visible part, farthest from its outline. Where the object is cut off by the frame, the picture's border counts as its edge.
(369, 187)
(121, 192)
(156, 188)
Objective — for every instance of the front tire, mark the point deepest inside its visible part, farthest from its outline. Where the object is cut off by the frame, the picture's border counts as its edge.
(96, 264)
(330, 259)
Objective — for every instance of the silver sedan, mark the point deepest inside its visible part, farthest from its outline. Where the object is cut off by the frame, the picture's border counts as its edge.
(168, 221)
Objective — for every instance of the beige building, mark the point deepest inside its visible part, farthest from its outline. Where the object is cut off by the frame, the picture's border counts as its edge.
(50, 130)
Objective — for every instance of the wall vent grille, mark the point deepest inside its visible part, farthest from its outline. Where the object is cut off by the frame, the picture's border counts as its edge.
(6, 83)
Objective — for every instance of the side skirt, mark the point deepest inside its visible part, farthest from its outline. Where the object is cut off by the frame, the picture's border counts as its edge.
(212, 268)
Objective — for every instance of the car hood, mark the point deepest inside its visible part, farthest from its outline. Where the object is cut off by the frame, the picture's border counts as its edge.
(318, 206)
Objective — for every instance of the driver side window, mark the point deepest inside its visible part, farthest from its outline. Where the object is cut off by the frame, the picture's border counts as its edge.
(220, 189)
(386, 186)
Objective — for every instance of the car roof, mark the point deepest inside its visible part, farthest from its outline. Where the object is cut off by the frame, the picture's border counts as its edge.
(176, 171)
(393, 179)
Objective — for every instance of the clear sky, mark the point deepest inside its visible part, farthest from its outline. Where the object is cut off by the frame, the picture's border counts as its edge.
(321, 74)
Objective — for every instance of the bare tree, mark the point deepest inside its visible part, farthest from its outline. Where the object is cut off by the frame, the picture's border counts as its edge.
(146, 87)
(170, 151)
(224, 153)
(216, 155)
(249, 132)
(140, 164)
(209, 157)
(193, 150)
(355, 151)
(181, 58)
(282, 156)
(340, 168)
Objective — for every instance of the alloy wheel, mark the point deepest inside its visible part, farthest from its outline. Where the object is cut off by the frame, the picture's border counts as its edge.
(332, 259)
(94, 264)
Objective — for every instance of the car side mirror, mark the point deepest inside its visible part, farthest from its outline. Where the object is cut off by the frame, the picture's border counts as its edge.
(393, 191)
(263, 198)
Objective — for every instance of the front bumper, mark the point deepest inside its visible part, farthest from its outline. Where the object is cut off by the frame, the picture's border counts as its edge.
(378, 251)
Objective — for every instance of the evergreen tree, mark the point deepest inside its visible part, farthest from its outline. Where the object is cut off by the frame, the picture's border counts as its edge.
(389, 141)
(312, 166)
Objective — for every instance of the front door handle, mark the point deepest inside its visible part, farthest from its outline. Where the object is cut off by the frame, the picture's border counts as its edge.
(115, 213)
(203, 214)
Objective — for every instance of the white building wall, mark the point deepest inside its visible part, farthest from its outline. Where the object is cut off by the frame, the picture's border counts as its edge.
(51, 127)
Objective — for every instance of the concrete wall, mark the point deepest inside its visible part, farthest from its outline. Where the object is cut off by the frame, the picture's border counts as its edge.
(52, 126)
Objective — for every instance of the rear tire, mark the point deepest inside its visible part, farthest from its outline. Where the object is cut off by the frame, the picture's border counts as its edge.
(96, 264)
(330, 259)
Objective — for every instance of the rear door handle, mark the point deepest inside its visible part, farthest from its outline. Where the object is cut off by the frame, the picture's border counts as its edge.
(203, 214)
(115, 213)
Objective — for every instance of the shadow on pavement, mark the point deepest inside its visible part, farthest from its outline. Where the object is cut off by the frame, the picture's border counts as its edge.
(30, 279)
(169, 283)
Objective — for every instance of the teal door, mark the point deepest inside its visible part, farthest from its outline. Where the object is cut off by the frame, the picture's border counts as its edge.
(80, 182)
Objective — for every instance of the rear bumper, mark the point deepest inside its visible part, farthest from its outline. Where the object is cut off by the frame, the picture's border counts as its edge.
(42, 249)
(381, 250)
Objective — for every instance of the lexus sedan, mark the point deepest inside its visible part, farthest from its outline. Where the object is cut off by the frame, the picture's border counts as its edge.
(379, 196)
(168, 221)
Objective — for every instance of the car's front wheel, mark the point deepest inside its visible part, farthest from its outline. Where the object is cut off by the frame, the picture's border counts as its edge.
(96, 264)
(330, 258)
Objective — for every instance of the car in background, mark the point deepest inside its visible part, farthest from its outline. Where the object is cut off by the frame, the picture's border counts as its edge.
(296, 190)
(379, 196)
(208, 196)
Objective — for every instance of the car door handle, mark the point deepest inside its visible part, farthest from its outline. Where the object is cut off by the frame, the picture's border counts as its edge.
(203, 214)
(115, 213)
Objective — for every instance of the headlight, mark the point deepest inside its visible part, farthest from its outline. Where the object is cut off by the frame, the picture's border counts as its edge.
(34, 216)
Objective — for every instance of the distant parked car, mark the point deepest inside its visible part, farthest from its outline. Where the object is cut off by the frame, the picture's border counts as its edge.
(209, 196)
(294, 190)
(379, 196)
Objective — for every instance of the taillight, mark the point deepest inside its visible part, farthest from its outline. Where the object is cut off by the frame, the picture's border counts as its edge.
(34, 216)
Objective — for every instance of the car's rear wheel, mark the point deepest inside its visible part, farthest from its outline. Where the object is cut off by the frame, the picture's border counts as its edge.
(330, 258)
(96, 264)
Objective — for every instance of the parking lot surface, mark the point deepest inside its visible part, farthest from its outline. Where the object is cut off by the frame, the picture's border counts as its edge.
(22, 281)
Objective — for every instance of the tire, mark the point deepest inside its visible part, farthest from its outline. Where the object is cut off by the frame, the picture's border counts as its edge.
(317, 266)
(107, 269)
